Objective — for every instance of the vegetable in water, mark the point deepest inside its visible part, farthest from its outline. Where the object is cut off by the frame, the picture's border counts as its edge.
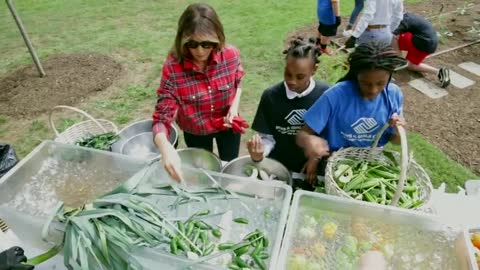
(101, 142)
(258, 173)
(329, 230)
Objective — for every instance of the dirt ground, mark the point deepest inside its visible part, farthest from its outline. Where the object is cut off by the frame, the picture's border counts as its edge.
(70, 79)
(452, 123)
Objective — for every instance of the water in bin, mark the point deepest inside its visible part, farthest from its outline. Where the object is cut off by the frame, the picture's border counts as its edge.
(55, 172)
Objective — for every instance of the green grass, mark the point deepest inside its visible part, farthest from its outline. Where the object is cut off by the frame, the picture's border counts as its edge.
(439, 166)
(143, 31)
(126, 102)
(37, 132)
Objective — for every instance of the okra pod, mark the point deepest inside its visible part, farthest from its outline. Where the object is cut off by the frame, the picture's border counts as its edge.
(251, 235)
(241, 251)
(217, 233)
(202, 225)
(204, 237)
(225, 246)
(181, 227)
(410, 188)
(370, 198)
(174, 246)
(233, 266)
(182, 245)
(240, 262)
(190, 227)
(241, 220)
(263, 255)
(261, 264)
(209, 250)
(265, 242)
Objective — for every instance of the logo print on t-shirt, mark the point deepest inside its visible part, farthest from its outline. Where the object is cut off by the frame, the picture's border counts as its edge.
(295, 117)
(364, 125)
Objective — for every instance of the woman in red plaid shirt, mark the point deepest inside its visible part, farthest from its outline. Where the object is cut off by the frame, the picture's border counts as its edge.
(200, 89)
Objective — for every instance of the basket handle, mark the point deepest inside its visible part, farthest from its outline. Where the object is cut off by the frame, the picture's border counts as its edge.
(403, 165)
(52, 125)
(403, 162)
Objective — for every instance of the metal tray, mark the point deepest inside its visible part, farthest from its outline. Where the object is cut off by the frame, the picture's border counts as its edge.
(358, 220)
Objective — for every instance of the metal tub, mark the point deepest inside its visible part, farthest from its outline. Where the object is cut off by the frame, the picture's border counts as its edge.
(136, 140)
(270, 166)
(332, 233)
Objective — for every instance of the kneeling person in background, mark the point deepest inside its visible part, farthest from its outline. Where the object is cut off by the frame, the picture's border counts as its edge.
(280, 112)
(418, 38)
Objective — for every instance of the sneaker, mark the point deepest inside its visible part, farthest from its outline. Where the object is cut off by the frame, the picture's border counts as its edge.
(444, 77)
(347, 33)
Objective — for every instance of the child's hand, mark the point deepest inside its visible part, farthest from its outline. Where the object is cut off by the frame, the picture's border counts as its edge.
(255, 148)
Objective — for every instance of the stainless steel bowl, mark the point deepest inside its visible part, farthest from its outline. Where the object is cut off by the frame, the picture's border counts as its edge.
(200, 158)
(140, 146)
(270, 166)
(139, 131)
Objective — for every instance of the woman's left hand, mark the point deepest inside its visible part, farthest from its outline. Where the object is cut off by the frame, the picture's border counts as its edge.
(229, 118)
(396, 121)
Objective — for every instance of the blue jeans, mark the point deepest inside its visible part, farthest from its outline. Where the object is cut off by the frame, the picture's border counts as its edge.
(358, 8)
(379, 35)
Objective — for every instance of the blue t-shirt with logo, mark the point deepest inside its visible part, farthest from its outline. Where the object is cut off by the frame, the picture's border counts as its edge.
(345, 119)
(325, 12)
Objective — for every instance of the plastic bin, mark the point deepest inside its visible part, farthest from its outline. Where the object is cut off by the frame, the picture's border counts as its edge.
(325, 232)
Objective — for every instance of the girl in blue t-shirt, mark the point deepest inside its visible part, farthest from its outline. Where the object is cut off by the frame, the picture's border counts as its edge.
(351, 112)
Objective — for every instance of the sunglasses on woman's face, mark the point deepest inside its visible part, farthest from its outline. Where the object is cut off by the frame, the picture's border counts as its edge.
(192, 44)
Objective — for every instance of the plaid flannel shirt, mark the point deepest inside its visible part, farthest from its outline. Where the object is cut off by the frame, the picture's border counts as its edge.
(195, 98)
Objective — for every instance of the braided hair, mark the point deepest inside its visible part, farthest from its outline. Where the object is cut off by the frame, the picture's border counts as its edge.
(370, 56)
(303, 48)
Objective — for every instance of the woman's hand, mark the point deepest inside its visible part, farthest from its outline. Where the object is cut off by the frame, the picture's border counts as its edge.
(172, 163)
(310, 170)
(229, 118)
(256, 148)
(170, 159)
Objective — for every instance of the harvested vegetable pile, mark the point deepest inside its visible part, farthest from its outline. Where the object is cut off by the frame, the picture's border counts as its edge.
(103, 234)
(476, 243)
(376, 182)
(101, 142)
(257, 173)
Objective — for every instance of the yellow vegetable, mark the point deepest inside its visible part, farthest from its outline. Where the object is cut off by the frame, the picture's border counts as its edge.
(319, 249)
(329, 230)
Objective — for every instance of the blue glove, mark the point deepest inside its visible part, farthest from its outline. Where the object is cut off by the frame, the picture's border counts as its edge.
(13, 259)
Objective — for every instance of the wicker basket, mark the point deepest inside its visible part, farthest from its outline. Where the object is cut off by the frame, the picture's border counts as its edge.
(408, 168)
(82, 129)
